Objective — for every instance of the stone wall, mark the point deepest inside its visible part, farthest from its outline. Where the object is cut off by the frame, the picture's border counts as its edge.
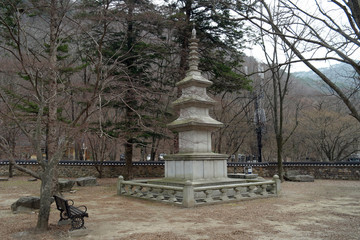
(74, 169)
(338, 172)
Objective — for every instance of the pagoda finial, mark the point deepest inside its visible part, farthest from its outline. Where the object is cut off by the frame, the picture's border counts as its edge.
(194, 55)
(193, 33)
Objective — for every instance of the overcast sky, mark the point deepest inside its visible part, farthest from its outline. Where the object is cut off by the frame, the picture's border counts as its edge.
(309, 6)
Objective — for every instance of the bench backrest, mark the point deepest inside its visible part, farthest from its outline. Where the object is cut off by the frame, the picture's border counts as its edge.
(61, 204)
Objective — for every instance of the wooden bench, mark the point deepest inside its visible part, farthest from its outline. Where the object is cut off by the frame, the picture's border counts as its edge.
(67, 210)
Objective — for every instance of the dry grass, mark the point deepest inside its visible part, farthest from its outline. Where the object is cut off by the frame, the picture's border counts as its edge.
(321, 210)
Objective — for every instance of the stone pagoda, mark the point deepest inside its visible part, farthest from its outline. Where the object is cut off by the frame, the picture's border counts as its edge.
(195, 160)
(196, 176)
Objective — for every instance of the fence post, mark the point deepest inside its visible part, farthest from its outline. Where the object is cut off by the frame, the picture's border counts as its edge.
(188, 195)
(277, 181)
(119, 183)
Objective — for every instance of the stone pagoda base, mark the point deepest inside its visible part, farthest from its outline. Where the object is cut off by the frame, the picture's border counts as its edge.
(196, 166)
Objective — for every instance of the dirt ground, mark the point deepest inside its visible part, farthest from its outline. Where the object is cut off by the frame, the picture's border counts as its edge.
(324, 209)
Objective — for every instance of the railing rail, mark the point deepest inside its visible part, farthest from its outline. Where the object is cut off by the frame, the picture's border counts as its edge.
(233, 185)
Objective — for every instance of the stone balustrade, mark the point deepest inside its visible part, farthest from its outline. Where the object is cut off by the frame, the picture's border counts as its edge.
(190, 194)
(145, 190)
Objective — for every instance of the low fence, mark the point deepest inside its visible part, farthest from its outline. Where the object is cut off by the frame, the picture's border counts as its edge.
(190, 195)
(320, 170)
(74, 169)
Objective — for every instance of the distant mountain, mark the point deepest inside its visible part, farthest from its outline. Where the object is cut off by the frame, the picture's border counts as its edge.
(341, 74)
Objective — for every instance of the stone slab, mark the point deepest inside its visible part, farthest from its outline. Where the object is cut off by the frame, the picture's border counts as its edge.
(26, 204)
(65, 185)
(86, 181)
(296, 176)
(300, 178)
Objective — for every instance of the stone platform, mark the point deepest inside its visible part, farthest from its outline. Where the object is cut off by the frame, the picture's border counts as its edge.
(194, 193)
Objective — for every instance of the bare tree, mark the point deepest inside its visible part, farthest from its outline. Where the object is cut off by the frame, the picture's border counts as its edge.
(278, 61)
(40, 39)
(325, 31)
(45, 86)
(329, 134)
(233, 111)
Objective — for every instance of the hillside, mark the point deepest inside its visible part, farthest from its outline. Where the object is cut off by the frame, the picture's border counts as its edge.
(341, 74)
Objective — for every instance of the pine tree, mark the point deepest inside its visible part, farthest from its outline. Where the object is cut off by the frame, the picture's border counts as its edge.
(132, 52)
(222, 39)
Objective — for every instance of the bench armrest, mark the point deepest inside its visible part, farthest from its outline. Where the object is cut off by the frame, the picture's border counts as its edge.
(70, 202)
(82, 206)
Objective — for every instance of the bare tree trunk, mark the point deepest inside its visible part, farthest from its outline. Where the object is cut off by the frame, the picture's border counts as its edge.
(129, 98)
(11, 170)
(48, 186)
(128, 158)
(45, 199)
(77, 148)
(219, 145)
(355, 10)
(279, 157)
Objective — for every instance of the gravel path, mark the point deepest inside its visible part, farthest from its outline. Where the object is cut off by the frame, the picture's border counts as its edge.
(324, 209)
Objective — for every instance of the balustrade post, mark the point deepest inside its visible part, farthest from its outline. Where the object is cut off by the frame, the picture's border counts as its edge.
(138, 191)
(172, 197)
(188, 195)
(119, 185)
(238, 193)
(208, 197)
(149, 193)
(160, 196)
(251, 191)
(277, 181)
(130, 190)
(263, 191)
(224, 196)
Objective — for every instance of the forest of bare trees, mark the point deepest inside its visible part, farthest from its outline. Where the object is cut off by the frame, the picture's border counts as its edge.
(94, 79)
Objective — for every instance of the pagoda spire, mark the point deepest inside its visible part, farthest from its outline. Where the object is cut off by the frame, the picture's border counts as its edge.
(194, 104)
(193, 55)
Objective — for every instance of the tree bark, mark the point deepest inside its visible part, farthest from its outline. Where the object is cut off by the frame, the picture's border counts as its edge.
(11, 170)
(45, 199)
(128, 158)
